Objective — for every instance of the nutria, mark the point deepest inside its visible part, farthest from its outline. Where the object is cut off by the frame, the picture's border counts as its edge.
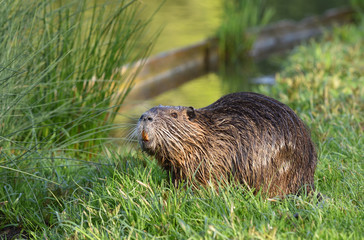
(246, 137)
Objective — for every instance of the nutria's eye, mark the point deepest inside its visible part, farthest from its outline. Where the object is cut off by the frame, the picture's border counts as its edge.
(174, 115)
(191, 113)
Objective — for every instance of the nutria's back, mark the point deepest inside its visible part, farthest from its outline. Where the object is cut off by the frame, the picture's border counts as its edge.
(247, 137)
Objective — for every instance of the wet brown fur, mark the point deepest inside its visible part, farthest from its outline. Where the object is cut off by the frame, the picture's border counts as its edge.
(247, 137)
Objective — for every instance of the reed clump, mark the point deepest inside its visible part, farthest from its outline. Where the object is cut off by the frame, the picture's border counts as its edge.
(58, 77)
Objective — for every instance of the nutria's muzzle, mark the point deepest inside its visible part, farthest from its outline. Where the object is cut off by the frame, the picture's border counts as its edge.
(144, 136)
(144, 140)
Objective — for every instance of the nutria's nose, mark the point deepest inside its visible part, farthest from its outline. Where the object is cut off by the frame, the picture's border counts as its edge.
(145, 117)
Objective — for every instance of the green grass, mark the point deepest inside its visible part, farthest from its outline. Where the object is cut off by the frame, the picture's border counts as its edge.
(59, 77)
(116, 194)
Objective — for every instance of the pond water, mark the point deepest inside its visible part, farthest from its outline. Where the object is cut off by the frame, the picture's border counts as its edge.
(184, 22)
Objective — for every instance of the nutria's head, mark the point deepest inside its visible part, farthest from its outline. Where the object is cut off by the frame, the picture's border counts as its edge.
(163, 130)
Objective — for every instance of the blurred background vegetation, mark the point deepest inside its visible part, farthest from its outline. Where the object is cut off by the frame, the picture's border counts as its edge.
(186, 22)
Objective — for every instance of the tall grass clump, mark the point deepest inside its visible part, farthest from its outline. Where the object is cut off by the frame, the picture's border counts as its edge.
(238, 16)
(59, 93)
(58, 64)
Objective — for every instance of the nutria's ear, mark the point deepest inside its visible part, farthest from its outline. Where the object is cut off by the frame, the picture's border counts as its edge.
(191, 113)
